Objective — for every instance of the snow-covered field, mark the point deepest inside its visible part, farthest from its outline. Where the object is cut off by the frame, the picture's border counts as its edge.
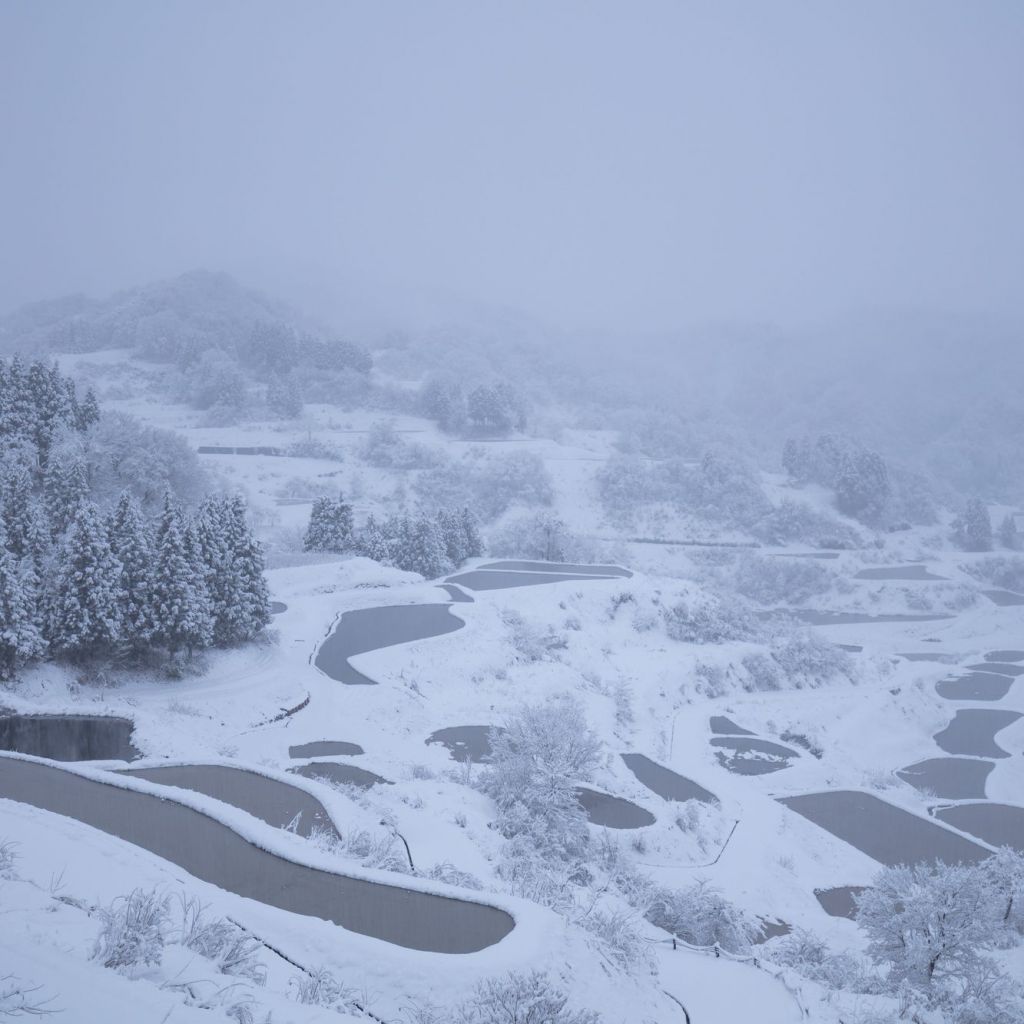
(601, 642)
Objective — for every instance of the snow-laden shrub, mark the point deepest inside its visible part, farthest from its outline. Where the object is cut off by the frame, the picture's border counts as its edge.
(315, 448)
(529, 643)
(712, 679)
(451, 875)
(788, 581)
(1000, 570)
(809, 955)
(384, 447)
(806, 656)
(618, 937)
(233, 951)
(20, 999)
(702, 916)
(539, 535)
(537, 758)
(489, 483)
(529, 873)
(381, 851)
(520, 999)
(134, 930)
(795, 521)
(763, 672)
(8, 856)
(320, 987)
(713, 621)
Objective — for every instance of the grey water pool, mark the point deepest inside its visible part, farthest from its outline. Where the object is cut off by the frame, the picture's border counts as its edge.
(215, 853)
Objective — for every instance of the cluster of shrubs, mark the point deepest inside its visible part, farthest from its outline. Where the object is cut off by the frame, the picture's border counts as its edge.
(489, 409)
(431, 544)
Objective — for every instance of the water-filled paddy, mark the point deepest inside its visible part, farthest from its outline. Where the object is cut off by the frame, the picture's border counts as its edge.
(839, 901)
(457, 594)
(949, 778)
(612, 811)
(214, 853)
(752, 756)
(995, 824)
(972, 732)
(1004, 598)
(276, 803)
(559, 567)
(325, 748)
(69, 737)
(975, 686)
(464, 741)
(339, 774)
(276, 607)
(898, 572)
(882, 830)
(722, 726)
(480, 579)
(369, 629)
(816, 618)
(666, 783)
(1005, 656)
(998, 667)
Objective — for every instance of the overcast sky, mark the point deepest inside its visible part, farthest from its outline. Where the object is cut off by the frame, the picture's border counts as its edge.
(637, 163)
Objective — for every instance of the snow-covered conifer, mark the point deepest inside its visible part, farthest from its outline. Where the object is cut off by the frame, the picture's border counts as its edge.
(181, 611)
(84, 608)
(132, 546)
(21, 638)
(330, 526)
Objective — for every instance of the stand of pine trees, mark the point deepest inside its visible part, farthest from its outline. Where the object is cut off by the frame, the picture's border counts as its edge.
(85, 585)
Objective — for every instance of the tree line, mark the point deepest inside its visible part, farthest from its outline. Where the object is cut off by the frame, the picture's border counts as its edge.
(431, 544)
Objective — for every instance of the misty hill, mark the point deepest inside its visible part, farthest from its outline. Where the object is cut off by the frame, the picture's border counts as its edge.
(162, 320)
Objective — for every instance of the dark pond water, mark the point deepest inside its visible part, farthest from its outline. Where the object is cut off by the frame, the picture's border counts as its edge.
(996, 824)
(1004, 598)
(770, 928)
(479, 579)
(271, 801)
(999, 667)
(1005, 656)
(949, 778)
(560, 567)
(456, 594)
(612, 811)
(751, 756)
(276, 607)
(838, 902)
(214, 853)
(975, 686)
(972, 732)
(369, 629)
(339, 774)
(69, 737)
(722, 726)
(325, 748)
(462, 741)
(814, 618)
(898, 572)
(883, 831)
(928, 656)
(217, 449)
(665, 782)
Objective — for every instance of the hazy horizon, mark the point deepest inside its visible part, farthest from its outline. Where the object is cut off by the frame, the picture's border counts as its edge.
(592, 165)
